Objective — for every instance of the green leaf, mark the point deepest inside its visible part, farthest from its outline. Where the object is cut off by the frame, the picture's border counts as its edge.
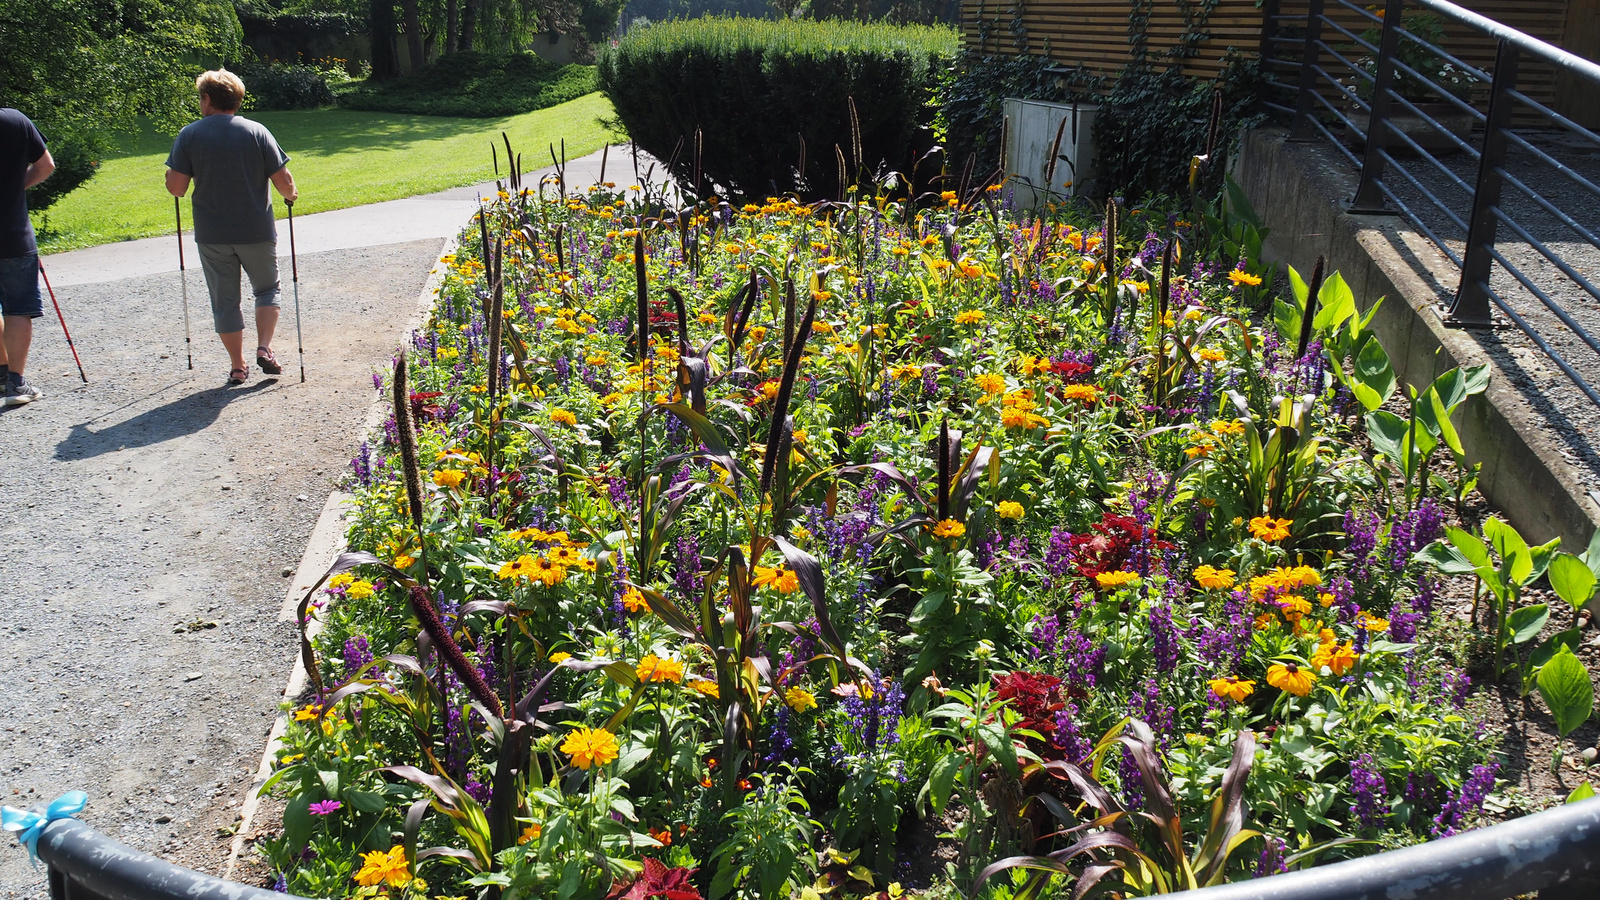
(1513, 550)
(330, 783)
(1525, 623)
(1547, 649)
(1581, 792)
(297, 825)
(1387, 432)
(1470, 546)
(1572, 579)
(941, 781)
(1565, 686)
(999, 743)
(1337, 303)
(1373, 370)
(1541, 555)
(365, 801)
(927, 606)
(1439, 417)
(1447, 559)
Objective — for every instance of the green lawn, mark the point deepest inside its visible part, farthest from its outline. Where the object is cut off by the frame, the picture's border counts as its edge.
(340, 158)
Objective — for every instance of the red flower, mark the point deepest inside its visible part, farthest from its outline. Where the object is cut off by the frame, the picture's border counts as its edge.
(1108, 547)
(1034, 696)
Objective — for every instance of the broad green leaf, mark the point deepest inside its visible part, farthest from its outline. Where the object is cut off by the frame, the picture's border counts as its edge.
(1526, 622)
(1439, 416)
(1581, 792)
(941, 782)
(1513, 550)
(1565, 686)
(1387, 432)
(1541, 556)
(330, 783)
(1548, 649)
(365, 801)
(1372, 369)
(1470, 546)
(297, 824)
(1572, 579)
(1337, 304)
(1446, 559)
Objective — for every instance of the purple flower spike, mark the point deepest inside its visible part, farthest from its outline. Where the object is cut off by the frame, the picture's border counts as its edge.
(325, 807)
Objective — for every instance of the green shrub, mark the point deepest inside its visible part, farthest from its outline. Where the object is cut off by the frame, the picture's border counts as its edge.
(476, 84)
(756, 88)
(77, 158)
(282, 85)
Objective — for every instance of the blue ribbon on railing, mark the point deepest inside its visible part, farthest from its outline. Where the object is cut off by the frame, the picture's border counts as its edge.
(31, 824)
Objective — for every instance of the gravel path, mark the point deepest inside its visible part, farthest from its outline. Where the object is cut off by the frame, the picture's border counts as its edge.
(148, 519)
(1568, 415)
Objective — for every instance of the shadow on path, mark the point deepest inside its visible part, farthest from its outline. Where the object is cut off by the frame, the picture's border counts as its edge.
(182, 417)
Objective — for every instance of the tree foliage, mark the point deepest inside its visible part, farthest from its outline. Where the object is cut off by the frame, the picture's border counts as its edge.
(84, 70)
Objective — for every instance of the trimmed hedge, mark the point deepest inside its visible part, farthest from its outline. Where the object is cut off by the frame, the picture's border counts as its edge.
(282, 85)
(755, 88)
(475, 84)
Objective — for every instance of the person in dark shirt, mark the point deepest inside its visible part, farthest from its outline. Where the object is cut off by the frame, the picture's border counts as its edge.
(231, 160)
(24, 162)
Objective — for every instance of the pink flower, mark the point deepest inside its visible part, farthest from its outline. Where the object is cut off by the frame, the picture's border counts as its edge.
(325, 807)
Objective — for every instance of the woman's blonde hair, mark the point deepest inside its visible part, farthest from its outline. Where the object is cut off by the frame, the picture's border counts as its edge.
(224, 89)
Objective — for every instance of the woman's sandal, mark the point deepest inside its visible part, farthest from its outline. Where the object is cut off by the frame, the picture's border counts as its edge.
(267, 361)
(238, 376)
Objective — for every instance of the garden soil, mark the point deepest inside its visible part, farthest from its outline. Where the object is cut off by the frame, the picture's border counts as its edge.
(149, 521)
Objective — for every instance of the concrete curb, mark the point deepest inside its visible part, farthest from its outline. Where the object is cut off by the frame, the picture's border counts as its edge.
(327, 541)
(1297, 189)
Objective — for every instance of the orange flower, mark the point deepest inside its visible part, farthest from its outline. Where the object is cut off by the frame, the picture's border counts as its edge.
(1231, 687)
(1270, 529)
(1290, 678)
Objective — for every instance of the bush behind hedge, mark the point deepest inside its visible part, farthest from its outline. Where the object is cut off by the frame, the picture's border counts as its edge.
(756, 87)
(476, 84)
(282, 85)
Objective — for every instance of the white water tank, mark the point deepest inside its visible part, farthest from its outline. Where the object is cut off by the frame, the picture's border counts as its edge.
(1032, 128)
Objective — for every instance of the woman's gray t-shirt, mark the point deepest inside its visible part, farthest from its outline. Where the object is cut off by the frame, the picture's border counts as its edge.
(230, 159)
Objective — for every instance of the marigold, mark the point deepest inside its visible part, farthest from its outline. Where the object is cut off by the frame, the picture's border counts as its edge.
(990, 383)
(1270, 529)
(590, 746)
(1231, 687)
(969, 317)
(633, 601)
(449, 478)
(1088, 393)
(1338, 658)
(531, 833)
(658, 669)
(949, 528)
(800, 699)
(705, 688)
(379, 866)
(359, 590)
(1243, 278)
(1371, 622)
(1017, 417)
(1009, 509)
(1112, 580)
(563, 417)
(1211, 354)
(559, 657)
(1213, 579)
(1290, 678)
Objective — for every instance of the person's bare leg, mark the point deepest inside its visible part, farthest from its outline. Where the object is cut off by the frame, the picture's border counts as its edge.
(5, 358)
(266, 325)
(233, 342)
(17, 334)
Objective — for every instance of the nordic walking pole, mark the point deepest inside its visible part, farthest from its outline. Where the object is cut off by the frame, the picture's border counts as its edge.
(294, 268)
(183, 278)
(63, 320)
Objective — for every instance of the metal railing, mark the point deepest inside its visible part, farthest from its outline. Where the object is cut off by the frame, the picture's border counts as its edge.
(86, 865)
(1340, 87)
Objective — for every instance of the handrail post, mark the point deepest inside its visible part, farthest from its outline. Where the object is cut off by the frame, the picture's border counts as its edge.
(1471, 306)
(1270, 10)
(1369, 196)
(1306, 100)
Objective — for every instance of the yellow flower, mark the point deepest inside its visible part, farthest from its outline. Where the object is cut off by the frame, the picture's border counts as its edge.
(1009, 509)
(378, 867)
(969, 317)
(1209, 354)
(1213, 579)
(340, 580)
(657, 669)
(1114, 580)
(559, 657)
(1017, 417)
(1088, 393)
(1290, 678)
(590, 746)
(448, 477)
(1233, 427)
(1238, 278)
(705, 688)
(543, 570)
(949, 528)
(783, 580)
(359, 590)
(1231, 687)
(563, 417)
(800, 699)
(307, 713)
(1371, 622)
(521, 567)
(531, 833)
(634, 601)
(1339, 658)
(1269, 529)
(403, 561)
(990, 383)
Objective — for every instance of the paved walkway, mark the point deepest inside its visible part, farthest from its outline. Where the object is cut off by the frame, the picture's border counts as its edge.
(150, 519)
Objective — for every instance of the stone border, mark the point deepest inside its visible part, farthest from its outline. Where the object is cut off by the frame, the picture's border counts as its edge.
(327, 541)
(1298, 190)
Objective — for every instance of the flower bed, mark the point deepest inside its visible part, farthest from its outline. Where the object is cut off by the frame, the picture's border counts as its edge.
(918, 552)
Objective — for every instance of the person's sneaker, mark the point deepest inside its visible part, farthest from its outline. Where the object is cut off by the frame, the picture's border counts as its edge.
(20, 392)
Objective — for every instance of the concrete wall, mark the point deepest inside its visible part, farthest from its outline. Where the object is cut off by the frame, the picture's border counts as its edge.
(1299, 190)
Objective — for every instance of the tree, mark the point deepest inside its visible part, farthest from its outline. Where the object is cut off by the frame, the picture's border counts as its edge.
(86, 70)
